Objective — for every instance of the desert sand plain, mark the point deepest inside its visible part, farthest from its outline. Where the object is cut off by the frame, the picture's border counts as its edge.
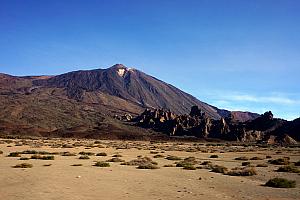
(59, 179)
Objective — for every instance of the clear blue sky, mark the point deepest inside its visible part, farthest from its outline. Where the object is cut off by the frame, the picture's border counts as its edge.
(234, 54)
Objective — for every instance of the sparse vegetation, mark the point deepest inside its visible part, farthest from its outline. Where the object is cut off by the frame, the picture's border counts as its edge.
(206, 163)
(158, 156)
(115, 160)
(219, 169)
(147, 166)
(281, 183)
(101, 164)
(101, 154)
(68, 154)
(14, 154)
(246, 163)
(280, 161)
(140, 161)
(39, 157)
(85, 157)
(247, 171)
(169, 165)
(173, 158)
(262, 165)
(288, 168)
(24, 158)
(241, 158)
(76, 165)
(187, 163)
(256, 158)
(117, 156)
(86, 153)
(189, 167)
(35, 152)
(23, 165)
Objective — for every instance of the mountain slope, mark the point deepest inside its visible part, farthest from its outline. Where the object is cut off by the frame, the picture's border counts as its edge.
(58, 105)
(131, 85)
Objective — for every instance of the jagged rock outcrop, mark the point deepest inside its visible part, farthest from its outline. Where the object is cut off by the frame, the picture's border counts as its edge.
(198, 124)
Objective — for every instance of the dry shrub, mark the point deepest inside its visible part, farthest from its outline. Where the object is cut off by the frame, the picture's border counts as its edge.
(140, 161)
(281, 183)
(288, 168)
(115, 160)
(23, 165)
(241, 158)
(148, 166)
(219, 169)
(101, 164)
(280, 161)
(247, 171)
(173, 158)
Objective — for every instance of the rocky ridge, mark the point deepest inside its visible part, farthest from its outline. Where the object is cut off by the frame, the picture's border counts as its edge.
(265, 128)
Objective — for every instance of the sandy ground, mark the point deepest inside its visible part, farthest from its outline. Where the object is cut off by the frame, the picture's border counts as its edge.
(87, 182)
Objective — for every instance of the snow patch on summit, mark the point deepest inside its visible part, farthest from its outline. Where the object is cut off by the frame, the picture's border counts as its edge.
(121, 72)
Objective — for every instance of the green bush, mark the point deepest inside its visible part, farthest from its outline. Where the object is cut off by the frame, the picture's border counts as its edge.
(101, 164)
(281, 183)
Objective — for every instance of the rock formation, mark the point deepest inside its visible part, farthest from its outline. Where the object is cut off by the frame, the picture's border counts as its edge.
(198, 124)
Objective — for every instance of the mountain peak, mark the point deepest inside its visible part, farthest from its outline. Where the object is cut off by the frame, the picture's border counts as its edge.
(118, 66)
(121, 69)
